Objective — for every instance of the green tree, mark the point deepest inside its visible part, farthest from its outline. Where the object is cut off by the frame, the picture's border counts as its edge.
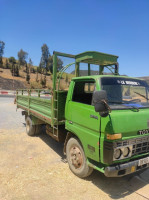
(44, 81)
(7, 64)
(26, 67)
(41, 80)
(40, 68)
(44, 57)
(33, 70)
(2, 46)
(12, 60)
(37, 77)
(17, 70)
(30, 62)
(30, 65)
(27, 74)
(50, 64)
(22, 56)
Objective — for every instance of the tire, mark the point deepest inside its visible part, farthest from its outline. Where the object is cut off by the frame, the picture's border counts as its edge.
(38, 129)
(76, 159)
(31, 129)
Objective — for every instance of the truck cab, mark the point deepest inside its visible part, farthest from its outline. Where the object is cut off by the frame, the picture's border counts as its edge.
(121, 135)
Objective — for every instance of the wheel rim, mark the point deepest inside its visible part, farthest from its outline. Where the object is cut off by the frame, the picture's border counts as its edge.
(76, 157)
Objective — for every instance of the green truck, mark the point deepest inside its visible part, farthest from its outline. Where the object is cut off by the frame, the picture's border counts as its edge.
(103, 119)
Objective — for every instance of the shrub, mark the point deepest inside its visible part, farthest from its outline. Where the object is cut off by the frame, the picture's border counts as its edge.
(63, 86)
(37, 80)
(49, 86)
(22, 74)
(35, 85)
(33, 70)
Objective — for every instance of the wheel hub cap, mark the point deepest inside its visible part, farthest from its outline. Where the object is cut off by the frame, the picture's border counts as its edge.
(76, 157)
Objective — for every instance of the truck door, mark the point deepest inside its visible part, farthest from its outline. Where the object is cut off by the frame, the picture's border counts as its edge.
(83, 120)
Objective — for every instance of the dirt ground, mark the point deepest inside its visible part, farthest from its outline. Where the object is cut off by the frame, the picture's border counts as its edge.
(33, 168)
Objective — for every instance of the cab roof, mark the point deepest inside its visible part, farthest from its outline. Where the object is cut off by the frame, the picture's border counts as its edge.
(97, 58)
(100, 76)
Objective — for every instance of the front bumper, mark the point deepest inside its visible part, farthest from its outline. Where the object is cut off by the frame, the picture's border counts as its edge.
(124, 169)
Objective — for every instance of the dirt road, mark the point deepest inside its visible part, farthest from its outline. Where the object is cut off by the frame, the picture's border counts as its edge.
(33, 168)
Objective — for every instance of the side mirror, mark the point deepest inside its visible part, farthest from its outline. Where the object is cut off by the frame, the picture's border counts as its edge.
(100, 103)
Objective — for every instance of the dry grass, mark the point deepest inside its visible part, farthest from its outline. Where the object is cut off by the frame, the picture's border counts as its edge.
(5, 73)
(35, 85)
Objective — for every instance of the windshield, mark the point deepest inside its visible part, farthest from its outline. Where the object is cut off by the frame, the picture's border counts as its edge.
(125, 92)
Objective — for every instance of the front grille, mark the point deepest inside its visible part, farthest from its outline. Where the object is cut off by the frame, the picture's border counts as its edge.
(140, 148)
(139, 145)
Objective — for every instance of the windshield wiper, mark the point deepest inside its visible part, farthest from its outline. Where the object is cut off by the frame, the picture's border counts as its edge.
(119, 102)
(134, 107)
(141, 95)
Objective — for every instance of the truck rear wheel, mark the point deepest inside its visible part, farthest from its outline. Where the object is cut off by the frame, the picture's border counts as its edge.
(76, 159)
(31, 129)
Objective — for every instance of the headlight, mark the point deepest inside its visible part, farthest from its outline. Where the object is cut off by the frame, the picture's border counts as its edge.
(117, 153)
(126, 151)
(122, 152)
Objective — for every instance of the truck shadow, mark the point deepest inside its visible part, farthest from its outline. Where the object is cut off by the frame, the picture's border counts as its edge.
(116, 188)
(119, 187)
(56, 146)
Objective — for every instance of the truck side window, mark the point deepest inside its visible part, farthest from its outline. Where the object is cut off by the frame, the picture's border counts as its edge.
(83, 92)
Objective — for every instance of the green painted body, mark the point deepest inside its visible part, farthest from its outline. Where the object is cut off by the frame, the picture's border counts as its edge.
(92, 132)
(77, 117)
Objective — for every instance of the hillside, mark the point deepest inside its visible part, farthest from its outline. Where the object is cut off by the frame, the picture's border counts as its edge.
(9, 84)
(85, 73)
(6, 80)
(146, 78)
(4, 59)
(6, 75)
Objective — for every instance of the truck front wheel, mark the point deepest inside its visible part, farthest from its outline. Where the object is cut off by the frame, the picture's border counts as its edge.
(31, 129)
(76, 159)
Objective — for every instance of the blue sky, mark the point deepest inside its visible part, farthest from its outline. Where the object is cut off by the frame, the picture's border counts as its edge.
(72, 26)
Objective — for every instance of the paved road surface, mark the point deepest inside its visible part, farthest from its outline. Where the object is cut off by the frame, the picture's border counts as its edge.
(33, 168)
